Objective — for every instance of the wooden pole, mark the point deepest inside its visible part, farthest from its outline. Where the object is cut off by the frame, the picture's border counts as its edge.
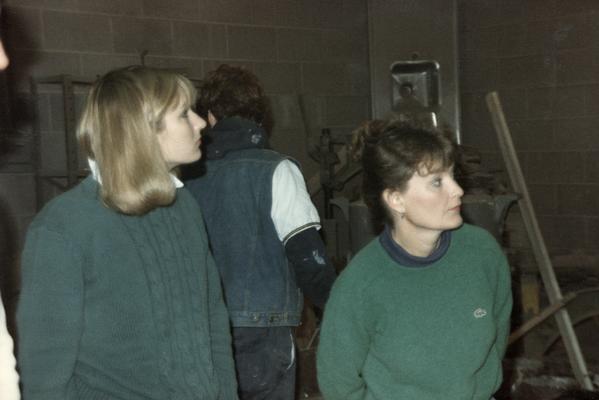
(538, 244)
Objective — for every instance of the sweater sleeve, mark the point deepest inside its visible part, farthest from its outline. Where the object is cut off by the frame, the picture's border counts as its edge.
(344, 343)
(504, 305)
(50, 314)
(220, 335)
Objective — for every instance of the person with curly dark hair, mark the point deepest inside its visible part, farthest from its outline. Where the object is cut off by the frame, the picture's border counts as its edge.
(263, 230)
(422, 312)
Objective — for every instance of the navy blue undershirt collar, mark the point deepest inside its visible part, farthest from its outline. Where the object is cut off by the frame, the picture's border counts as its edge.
(401, 256)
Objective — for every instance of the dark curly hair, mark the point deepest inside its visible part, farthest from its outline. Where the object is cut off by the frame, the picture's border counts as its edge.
(391, 152)
(234, 91)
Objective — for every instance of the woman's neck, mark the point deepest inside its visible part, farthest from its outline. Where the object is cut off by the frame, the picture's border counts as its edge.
(416, 243)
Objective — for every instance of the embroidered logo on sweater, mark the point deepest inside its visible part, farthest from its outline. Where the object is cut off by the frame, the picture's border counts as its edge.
(479, 313)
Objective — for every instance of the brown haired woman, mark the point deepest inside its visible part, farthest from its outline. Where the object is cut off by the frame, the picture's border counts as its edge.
(422, 312)
(120, 297)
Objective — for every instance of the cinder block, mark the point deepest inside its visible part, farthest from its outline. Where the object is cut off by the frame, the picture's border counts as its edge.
(330, 79)
(574, 66)
(327, 14)
(135, 35)
(299, 45)
(231, 11)
(115, 7)
(93, 65)
(544, 198)
(577, 134)
(570, 101)
(264, 12)
(476, 14)
(292, 13)
(533, 135)
(512, 40)
(591, 172)
(526, 71)
(592, 233)
(359, 79)
(211, 65)
(279, 77)
(190, 67)
(75, 31)
(478, 74)
(511, 11)
(538, 168)
(578, 200)
(485, 41)
(591, 99)
(572, 32)
(541, 102)
(542, 9)
(562, 232)
(249, 43)
(346, 110)
(342, 45)
(178, 9)
(355, 14)
(540, 38)
(199, 40)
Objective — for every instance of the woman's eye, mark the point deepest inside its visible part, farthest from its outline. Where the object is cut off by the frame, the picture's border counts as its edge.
(185, 114)
(437, 182)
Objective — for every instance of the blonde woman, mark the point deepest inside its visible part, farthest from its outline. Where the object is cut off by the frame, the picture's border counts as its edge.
(120, 296)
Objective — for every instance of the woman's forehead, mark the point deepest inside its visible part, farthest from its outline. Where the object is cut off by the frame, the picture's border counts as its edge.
(428, 167)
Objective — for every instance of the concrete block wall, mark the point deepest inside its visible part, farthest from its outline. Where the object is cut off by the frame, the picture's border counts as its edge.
(313, 50)
(542, 58)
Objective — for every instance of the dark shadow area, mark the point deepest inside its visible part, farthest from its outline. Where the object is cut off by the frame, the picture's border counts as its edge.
(15, 108)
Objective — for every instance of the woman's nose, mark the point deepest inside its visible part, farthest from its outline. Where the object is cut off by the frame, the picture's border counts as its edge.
(456, 189)
(197, 122)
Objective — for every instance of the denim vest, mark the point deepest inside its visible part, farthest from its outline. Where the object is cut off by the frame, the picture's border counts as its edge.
(235, 195)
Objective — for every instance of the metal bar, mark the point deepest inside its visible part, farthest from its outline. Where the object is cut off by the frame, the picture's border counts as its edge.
(36, 145)
(69, 127)
(538, 244)
(536, 320)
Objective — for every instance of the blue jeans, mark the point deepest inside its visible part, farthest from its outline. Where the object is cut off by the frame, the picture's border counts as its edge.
(265, 363)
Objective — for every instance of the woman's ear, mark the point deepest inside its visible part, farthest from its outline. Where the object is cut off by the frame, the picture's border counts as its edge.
(394, 200)
(211, 119)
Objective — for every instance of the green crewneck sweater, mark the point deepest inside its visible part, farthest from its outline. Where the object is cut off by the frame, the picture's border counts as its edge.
(437, 332)
(121, 307)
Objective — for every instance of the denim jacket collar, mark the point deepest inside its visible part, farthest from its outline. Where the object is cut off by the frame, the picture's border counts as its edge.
(232, 134)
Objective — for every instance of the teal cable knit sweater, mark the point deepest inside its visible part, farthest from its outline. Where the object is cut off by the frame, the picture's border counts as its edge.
(121, 307)
(437, 332)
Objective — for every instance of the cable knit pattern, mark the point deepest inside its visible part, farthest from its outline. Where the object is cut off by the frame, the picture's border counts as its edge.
(132, 305)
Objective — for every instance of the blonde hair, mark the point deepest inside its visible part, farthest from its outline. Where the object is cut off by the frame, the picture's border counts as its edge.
(122, 116)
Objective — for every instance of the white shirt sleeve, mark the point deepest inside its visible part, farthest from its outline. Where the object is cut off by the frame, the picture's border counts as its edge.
(9, 379)
(292, 210)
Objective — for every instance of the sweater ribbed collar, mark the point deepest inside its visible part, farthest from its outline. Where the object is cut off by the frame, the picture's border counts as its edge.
(401, 256)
